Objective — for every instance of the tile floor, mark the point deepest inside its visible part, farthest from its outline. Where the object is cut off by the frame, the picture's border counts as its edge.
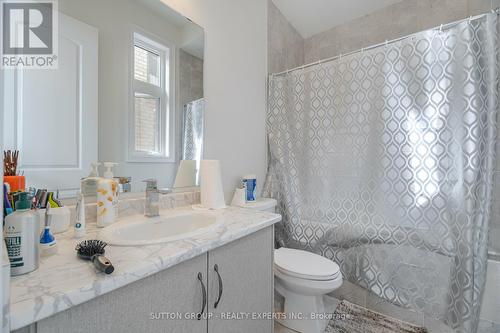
(362, 297)
(484, 326)
(487, 327)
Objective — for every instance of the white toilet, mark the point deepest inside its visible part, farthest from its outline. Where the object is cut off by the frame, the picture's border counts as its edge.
(302, 278)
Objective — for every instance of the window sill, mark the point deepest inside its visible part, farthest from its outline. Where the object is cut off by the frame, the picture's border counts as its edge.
(150, 159)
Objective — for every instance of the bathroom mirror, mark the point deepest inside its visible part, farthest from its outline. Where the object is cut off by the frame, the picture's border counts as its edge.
(128, 88)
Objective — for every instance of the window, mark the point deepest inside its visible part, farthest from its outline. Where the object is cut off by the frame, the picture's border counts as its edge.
(151, 136)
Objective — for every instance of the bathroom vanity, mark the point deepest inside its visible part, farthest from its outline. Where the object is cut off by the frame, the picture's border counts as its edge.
(220, 280)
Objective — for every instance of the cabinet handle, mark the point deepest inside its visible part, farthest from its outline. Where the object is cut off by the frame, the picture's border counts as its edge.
(204, 292)
(216, 269)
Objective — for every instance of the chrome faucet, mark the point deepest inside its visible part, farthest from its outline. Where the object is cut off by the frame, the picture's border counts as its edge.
(152, 203)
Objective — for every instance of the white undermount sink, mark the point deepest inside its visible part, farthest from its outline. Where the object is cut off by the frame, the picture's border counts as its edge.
(141, 230)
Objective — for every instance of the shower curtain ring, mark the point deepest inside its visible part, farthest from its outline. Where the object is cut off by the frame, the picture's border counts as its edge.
(441, 28)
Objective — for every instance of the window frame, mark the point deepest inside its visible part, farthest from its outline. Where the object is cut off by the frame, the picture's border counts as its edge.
(165, 92)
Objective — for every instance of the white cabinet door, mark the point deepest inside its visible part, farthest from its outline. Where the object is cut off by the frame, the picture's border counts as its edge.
(51, 115)
(245, 273)
(150, 305)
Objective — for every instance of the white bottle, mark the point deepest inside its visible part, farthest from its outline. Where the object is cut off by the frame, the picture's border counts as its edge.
(79, 227)
(107, 200)
(21, 237)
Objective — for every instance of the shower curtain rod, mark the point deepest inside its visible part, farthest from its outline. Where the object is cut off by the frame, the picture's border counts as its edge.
(387, 42)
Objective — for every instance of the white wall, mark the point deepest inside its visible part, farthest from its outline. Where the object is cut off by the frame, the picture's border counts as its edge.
(234, 80)
(116, 21)
(3, 291)
(234, 83)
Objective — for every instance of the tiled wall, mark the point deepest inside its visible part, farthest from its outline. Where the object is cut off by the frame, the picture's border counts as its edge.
(285, 45)
(190, 77)
(287, 49)
(392, 22)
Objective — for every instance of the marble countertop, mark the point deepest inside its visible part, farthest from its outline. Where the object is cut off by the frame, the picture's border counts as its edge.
(63, 281)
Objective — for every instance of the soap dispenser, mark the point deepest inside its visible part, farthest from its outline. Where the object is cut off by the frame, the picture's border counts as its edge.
(107, 197)
(89, 184)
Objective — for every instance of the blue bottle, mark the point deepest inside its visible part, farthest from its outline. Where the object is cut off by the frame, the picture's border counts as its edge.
(250, 182)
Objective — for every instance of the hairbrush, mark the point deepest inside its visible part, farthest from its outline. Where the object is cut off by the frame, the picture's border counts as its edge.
(93, 250)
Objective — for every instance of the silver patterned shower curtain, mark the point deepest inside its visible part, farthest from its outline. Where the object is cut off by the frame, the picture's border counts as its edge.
(383, 161)
(192, 130)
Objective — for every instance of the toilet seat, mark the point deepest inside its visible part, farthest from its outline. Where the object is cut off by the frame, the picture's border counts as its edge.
(305, 265)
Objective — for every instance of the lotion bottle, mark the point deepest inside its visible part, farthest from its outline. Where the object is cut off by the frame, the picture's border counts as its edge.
(107, 197)
(21, 237)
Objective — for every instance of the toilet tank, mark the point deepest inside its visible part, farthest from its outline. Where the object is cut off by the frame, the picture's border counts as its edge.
(262, 204)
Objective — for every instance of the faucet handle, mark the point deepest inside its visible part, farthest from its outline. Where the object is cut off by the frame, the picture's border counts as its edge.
(151, 184)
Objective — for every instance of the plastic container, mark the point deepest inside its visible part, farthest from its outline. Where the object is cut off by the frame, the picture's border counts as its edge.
(21, 233)
(250, 182)
(16, 183)
(60, 219)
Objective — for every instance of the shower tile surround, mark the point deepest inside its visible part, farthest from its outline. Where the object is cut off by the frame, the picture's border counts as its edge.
(190, 77)
(287, 49)
(285, 45)
(392, 22)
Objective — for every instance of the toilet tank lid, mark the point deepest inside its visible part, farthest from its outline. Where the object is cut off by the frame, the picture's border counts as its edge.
(260, 204)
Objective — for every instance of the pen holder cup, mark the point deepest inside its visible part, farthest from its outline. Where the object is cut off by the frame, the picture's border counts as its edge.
(16, 183)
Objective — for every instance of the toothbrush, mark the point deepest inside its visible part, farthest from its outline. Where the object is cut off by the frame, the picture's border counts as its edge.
(52, 201)
(6, 201)
(80, 217)
(47, 240)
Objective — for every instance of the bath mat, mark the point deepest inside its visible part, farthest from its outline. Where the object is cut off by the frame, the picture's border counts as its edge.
(352, 318)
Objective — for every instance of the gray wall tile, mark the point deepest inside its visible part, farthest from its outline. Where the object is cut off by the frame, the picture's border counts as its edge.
(190, 77)
(392, 22)
(285, 44)
(481, 6)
